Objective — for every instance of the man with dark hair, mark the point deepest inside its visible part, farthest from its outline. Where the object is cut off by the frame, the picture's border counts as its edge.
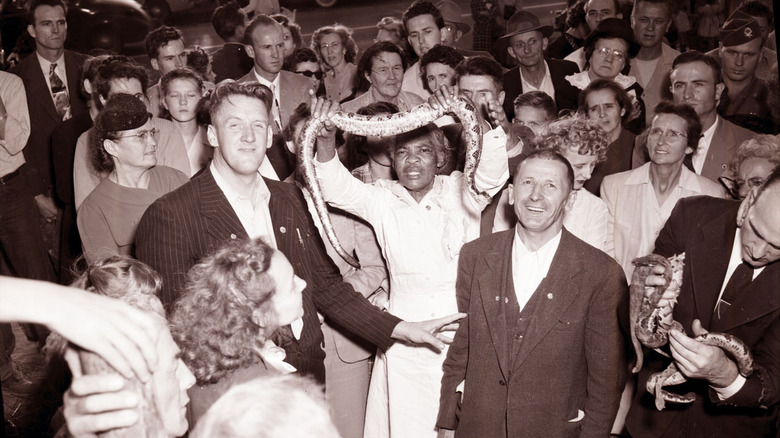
(640, 200)
(231, 61)
(231, 200)
(540, 353)
(759, 10)
(729, 285)
(264, 43)
(424, 24)
(165, 49)
(51, 83)
(745, 103)
(526, 41)
(129, 78)
(696, 80)
(595, 11)
(650, 20)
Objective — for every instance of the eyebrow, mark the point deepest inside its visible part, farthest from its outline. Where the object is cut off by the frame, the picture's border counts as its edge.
(760, 236)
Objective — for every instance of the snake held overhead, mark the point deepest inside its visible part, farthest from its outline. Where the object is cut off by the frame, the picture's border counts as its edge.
(383, 126)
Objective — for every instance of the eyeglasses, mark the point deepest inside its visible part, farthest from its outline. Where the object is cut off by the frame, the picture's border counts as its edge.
(616, 54)
(752, 183)
(143, 135)
(311, 74)
(384, 71)
(669, 135)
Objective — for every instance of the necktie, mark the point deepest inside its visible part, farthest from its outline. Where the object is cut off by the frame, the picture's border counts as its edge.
(59, 93)
(741, 277)
(275, 112)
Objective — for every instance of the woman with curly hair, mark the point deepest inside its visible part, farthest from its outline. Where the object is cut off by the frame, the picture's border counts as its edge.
(227, 319)
(756, 159)
(123, 146)
(337, 52)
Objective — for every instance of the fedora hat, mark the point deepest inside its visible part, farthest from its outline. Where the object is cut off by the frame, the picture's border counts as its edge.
(522, 22)
(614, 28)
(451, 13)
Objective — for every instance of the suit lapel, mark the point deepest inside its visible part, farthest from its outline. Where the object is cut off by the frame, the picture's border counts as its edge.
(493, 291)
(557, 294)
(39, 87)
(718, 150)
(757, 300)
(709, 260)
(222, 222)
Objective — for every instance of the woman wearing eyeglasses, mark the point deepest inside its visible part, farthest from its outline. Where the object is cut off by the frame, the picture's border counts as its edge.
(124, 146)
(337, 51)
(608, 51)
(641, 200)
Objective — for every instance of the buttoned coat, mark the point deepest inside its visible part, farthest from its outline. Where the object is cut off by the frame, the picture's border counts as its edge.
(184, 226)
(570, 359)
(704, 229)
(43, 115)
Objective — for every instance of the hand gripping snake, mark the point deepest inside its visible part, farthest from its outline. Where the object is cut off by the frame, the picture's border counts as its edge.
(384, 126)
(650, 327)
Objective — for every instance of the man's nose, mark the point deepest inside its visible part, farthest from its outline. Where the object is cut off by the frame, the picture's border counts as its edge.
(602, 113)
(739, 60)
(248, 135)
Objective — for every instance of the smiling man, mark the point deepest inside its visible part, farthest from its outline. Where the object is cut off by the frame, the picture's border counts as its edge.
(540, 353)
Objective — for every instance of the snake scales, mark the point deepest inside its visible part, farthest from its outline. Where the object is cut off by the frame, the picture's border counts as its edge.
(650, 327)
(383, 126)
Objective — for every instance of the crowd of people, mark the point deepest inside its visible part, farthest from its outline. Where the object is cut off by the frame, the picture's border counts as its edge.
(491, 294)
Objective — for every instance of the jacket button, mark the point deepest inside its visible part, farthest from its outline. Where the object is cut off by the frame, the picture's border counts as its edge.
(502, 383)
(233, 236)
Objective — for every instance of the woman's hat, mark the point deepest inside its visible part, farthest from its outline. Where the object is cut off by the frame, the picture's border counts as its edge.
(122, 112)
(614, 28)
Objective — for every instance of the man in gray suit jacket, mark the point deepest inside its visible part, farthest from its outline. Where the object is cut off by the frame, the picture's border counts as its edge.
(264, 42)
(541, 353)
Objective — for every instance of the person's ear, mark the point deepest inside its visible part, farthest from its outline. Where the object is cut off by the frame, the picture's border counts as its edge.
(88, 86)
(511, 51)
(458, 34)
(545, 42)
(500, 98)
(570, 200)
(155, 64)
(622, 112)
(368, 77)
(509, 189)
(250, 50)
(211, 134)
(111, 147)
(744, 207)
(164, 103)
(718, 91)
(31, 30)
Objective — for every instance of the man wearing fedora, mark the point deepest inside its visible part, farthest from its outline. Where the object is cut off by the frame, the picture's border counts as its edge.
(455, 28)
(526, 40)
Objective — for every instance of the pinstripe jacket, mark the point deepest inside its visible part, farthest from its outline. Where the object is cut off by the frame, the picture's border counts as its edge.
(182, 227)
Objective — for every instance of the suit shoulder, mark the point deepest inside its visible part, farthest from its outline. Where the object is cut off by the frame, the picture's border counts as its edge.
(490, 241)
(704, 203)
(740, 134)
(562, 65)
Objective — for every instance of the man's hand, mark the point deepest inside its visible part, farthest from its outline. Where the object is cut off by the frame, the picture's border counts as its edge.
(97, 403)
(495, 112)
(427, 332)
(446, 433)
(697, 360)
(443, 97)
(46, 206)
(657, 279)
(323, 109)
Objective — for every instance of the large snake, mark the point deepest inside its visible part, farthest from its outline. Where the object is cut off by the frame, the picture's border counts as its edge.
(384, 126)
(650, 327)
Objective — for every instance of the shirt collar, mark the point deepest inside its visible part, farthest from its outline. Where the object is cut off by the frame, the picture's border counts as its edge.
(46, 65)
(687, 181)
(266, 82)
(260, 191)
(545, 254)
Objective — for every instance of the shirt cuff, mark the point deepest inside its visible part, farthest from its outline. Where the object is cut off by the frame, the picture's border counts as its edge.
(729, 391)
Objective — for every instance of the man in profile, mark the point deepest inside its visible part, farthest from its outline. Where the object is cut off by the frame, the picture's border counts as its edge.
(541, 353)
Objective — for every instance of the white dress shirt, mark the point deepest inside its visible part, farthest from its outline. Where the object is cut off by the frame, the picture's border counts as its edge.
(530, 267)
(546, 86)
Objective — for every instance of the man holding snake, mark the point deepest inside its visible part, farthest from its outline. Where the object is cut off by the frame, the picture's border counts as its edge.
(729, 285)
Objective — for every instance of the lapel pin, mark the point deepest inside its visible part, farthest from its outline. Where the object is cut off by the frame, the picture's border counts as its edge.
(550, 296)
(283, 229)
(506, 300)
(232, 236)
(497, 298)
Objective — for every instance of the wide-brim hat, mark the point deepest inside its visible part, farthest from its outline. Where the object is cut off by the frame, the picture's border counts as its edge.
(522, 22)
(451, 13)
(614, 28)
